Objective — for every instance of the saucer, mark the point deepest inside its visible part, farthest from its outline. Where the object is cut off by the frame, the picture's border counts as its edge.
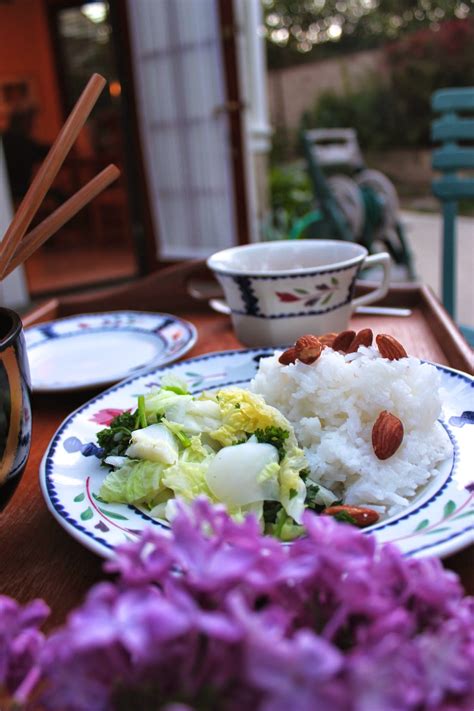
(93, 350)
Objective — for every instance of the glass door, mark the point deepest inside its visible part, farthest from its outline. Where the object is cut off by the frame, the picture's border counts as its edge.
(184, 117)
(98, 246)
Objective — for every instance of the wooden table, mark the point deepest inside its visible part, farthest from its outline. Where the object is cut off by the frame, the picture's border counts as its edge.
(38, 558)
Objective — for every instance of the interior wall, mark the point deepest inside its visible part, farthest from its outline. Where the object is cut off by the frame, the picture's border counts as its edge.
(26, 52)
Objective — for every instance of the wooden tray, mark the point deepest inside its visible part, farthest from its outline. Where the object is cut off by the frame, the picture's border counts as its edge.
(39, 559)
(429, 332)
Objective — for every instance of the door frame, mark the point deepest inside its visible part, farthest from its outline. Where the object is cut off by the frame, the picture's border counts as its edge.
(144, 232)
(135, 179)
(235, 107)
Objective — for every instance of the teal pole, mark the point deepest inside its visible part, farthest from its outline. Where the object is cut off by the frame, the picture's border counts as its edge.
(449, 257)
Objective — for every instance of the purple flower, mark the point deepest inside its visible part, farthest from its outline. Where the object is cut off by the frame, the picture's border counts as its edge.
(20, 644)
(218, 616)
(386, 675)
(298, 672)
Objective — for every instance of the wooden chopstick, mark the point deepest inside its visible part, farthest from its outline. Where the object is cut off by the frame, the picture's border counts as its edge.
(49, 169)
(42, 232)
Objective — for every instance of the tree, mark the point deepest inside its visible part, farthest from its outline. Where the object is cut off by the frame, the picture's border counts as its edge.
(302, 30)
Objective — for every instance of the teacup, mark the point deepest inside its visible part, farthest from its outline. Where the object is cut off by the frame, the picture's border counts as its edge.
(15, 409)
(278, 291)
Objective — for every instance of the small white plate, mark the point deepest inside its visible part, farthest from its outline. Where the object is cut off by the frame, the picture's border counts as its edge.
(437, 522)
(92, 350)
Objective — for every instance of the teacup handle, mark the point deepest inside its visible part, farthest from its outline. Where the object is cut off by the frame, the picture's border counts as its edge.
(384, 260)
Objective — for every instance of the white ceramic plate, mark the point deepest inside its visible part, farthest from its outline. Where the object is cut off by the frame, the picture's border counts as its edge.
(92, 350)
(438, 522)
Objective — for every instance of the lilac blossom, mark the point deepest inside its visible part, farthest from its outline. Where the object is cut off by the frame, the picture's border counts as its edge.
(20, 645)
(219, 617)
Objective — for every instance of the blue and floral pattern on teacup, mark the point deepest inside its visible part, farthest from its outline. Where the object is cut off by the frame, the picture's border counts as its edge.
(321, 295)
(272, 297)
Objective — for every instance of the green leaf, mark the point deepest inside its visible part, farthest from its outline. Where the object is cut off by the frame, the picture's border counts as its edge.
(334, 281)
(79, 498)
(463, 515)
(327, 298)
(449, 507)
(438, 530)
(99, 498)
(302, 291)
(112, 514)
(87, 514)
(193, 375)
(422, 524)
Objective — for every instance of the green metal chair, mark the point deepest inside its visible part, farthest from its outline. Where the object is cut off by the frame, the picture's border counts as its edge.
(454, 130)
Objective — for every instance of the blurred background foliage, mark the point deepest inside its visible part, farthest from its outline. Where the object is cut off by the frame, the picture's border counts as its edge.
(424, 45)
(291, 197)
(304, 30)
(393, 110)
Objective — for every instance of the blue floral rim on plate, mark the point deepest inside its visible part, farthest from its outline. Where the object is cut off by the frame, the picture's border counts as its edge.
(445, 510)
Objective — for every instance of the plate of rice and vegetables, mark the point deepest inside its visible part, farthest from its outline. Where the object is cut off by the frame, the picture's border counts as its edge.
(345, 425)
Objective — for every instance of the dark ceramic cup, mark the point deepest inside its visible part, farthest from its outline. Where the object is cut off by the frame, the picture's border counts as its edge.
(15, 408)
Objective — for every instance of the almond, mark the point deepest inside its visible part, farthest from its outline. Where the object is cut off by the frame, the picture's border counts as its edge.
(343, 341)
(327, 339)
(361, 515)
(390, 348)
(387, 435)
(288, 356)
(362, 338)
(308, 348)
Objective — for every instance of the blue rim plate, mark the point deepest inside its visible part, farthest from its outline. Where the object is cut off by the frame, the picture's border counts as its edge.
(438, 522)
(95, 350)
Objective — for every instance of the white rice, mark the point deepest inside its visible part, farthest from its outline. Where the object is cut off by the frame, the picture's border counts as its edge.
(333, 404)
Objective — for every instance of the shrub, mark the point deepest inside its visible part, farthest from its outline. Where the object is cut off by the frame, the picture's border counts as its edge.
(424, 62)
(397, 112)
(370, 109)
(291, 197)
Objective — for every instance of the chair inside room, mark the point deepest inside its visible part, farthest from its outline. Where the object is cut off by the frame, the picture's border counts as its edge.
(454, 159)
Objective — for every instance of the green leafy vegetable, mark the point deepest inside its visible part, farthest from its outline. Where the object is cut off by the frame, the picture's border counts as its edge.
(115, 439)
(276, 436)
(199, 428)
(270, 511)
(177, 430)
(141, 411)
(174, 384)
(137, 482)
(312, 491)
(280, 521)
(284, 527)
(175, 389)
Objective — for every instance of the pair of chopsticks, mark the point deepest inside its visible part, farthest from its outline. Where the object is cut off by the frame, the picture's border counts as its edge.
(17, 245)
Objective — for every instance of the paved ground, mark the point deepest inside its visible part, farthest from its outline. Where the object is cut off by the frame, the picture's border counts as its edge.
(424, 232)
